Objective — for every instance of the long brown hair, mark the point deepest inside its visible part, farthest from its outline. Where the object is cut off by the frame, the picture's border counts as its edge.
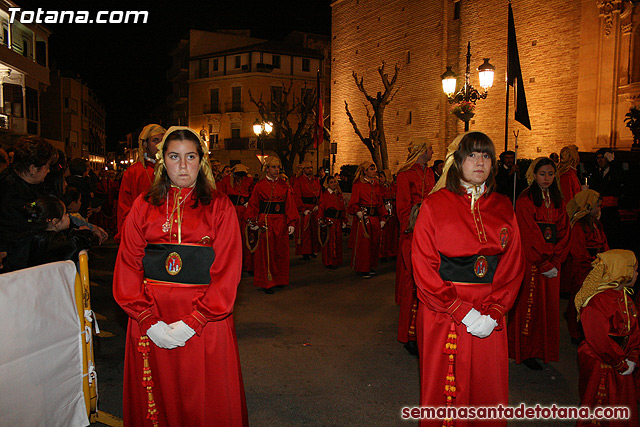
(472, 142)
(160, 188)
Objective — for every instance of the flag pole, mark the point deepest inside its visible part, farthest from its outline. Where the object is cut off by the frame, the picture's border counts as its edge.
(515, 174)
(318, 122)
(506, 116)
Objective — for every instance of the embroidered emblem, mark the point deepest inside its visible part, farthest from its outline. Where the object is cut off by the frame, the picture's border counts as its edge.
(206, 240)
(504, 237)
(481, 266)
(548, 233)
(173, 264)
(278, 207)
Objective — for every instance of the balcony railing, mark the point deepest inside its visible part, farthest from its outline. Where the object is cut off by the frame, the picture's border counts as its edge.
(233, 107)
(236, 143)
(211, 109)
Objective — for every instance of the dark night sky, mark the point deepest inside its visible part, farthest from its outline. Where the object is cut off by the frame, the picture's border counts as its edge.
(125, 64)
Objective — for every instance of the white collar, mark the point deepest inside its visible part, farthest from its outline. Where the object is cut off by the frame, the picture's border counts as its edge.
(330, 191)
(271, 179)
(148, 159)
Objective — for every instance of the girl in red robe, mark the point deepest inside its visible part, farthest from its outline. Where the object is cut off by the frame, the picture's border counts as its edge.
(567, 173)
(608, 356)
(587, 240)
(369, 215)
(389, 235)
(238, 185)
(176, 276)
(467, 264)
(534, 325)
(332, 213)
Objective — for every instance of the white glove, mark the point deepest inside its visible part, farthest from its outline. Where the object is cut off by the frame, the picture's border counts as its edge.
(291, 229)
(471, 317)
(315, 208)
(551, 273)
(306, 212)
(382, 223)
(158, 334)
(254, 227)
(482, 327)
(359, 214)
(181, 331)
(630, 369)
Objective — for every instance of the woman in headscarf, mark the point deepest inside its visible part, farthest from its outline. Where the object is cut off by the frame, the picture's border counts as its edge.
(389, 235)
(567, 172)
(587, 240)
(272, 212)
(332, 215)
(238, 185)
(608, 356)
(176, 276)
(415, 181)
(534, 325)
(467, 264)
(369, 215)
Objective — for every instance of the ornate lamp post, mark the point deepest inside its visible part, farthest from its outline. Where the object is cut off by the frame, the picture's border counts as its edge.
(262, 129)
(467, 96)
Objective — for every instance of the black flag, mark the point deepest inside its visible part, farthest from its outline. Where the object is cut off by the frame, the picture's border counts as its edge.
(514, 75)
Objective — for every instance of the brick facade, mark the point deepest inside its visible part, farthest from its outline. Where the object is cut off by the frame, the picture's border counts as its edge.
(565, 57)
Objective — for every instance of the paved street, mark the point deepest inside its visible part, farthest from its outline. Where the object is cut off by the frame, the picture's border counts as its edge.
(321, 352)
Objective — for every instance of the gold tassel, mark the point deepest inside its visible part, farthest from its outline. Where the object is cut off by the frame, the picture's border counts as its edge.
(450, 388)
(144, 346)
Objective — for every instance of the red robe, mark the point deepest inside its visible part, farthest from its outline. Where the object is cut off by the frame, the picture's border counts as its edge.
(307, 226)
(364, 257)
(332, 250)
(239, 192)
(199, 384)
(271, 258)
(534, 322)
(413, 186)
(136, 180)
(389, 234)
(570, 185)
(602, 360)
(447, 226)
(584, 245)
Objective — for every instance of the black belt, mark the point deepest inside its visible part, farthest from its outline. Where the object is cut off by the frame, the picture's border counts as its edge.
(332, 213)
(369, 210)
(468, 269)
(309, 200)
(549, 231)
(237, 199)
(272, 207)
(167, 262)
(621, 341)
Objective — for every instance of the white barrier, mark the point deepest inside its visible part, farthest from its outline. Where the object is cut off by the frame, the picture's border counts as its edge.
(41, 348)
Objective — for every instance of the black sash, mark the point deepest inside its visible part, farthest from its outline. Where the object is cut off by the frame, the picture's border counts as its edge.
(549, 231)
(468, 269)
(189, 264)
(621, 341)
(310, 200)
(332, 213)
(369, 210)
(238, 200)
(272, 207)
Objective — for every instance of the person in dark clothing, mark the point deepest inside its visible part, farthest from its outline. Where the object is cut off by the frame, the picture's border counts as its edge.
(507, 172)
(607, 180)
(52, 239)
(437, 167)
(54, 182)
(79, 179)
(21, 184)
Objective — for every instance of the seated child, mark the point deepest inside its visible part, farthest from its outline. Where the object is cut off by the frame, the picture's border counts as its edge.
(73, 200)
(52, 240)
(609, 353)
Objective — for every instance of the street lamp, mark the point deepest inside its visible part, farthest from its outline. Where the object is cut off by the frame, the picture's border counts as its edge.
(467, 96)
(262, 129)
